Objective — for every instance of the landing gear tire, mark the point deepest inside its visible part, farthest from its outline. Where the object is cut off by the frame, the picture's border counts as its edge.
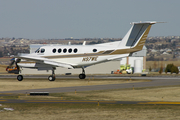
(51, 78)
(82, 76)
(19, 77)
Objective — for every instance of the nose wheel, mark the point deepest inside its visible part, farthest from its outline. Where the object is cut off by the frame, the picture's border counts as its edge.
(82, 76)
(19, 77)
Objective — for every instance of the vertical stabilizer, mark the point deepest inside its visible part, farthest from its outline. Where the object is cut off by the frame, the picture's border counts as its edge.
(136, 36)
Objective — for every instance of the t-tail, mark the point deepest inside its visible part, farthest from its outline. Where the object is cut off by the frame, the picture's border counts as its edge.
(136, 37)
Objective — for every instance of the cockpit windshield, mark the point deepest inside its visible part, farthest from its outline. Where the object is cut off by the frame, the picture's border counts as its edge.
(40, 50)
(37, 51)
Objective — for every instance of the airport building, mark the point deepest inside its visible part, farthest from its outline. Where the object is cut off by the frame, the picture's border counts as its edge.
(137, 61)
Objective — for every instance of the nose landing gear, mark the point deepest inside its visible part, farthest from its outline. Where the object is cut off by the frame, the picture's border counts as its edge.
(13, 69)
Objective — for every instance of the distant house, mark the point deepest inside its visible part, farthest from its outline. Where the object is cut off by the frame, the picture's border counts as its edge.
(162, 50)
(168, 50)
(178, 46)
(165, 53)
(153, 50)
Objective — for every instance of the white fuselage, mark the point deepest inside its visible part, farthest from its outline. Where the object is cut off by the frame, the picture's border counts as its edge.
(76, 55)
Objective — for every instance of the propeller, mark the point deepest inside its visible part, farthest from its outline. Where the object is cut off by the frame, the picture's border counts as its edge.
(17, 61)
(14, 61)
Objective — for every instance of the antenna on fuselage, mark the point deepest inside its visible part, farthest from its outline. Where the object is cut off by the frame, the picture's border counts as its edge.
(69, 43)
(84, 43)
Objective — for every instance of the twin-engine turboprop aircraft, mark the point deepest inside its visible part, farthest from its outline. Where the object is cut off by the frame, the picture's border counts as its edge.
(81, 56)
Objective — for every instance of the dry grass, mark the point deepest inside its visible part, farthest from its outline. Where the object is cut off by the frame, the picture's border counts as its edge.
(3, 68)
(138, 94)
(89, 111)
(5, 59)
(11, 84)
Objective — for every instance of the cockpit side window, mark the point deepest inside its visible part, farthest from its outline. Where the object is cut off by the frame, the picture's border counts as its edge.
(42, 50)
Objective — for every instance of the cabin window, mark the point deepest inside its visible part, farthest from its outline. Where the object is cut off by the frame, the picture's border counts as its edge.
(59, 50)
(70, 50)
(64, 50)
(75, 50)
(54, 50)
(94, 50)
(42, 50)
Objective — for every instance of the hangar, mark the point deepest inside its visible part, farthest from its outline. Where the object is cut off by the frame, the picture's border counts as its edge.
(136, 60)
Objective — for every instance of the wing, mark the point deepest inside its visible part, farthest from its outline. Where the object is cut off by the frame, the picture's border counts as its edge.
(45, 61)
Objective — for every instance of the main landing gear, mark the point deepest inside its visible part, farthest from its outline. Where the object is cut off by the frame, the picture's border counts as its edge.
(82, 76)
(52, 77)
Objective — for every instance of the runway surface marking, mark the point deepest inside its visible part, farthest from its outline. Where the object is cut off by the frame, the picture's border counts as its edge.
(164, 103)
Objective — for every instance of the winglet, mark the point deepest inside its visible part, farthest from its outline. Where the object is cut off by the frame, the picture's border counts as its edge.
(84, 43)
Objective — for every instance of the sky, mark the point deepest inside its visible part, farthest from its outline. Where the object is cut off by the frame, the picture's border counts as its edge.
(59, 19)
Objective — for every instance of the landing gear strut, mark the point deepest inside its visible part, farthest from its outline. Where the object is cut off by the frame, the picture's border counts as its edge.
(52, 77)
(17, 69)
(82, 76)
